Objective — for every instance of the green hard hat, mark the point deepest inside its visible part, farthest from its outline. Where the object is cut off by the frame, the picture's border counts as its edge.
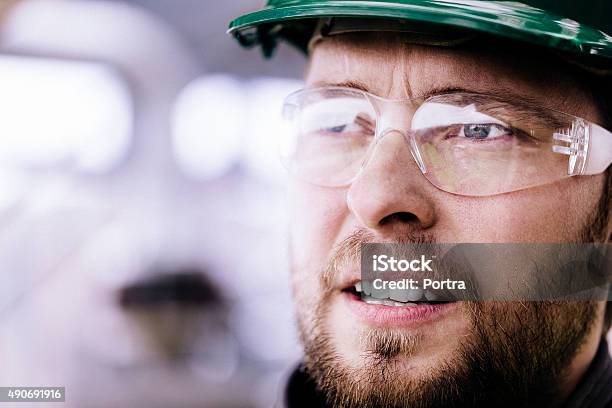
(583, 28)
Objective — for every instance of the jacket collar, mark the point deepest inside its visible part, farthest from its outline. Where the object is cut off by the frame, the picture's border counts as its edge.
(593, 391)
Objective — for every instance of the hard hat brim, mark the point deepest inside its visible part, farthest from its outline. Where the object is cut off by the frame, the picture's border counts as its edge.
(507, 19)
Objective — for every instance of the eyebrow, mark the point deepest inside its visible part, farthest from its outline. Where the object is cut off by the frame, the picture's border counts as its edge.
(517, 103)
(361, 86)
(523, 108)
(501, 93)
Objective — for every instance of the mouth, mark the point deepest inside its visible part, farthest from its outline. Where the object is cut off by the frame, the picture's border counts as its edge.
(399, 308)
(399, 298)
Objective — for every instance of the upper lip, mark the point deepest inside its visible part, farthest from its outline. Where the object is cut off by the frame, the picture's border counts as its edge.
(349, 277)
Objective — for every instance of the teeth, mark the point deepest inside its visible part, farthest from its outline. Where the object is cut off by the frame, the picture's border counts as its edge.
(401, 295)
(407, 304)
(393, 297)
(380, 293)
(431, 296)
(414, 294)
(386, 302)
(366, 287)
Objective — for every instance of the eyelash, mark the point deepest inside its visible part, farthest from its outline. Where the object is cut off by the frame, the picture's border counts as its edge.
(512, 132)
(364, 122)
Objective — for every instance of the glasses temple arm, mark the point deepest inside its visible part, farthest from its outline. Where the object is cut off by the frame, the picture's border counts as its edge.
(600, 150)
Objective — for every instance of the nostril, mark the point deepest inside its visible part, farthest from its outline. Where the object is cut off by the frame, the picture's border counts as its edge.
(399, 217)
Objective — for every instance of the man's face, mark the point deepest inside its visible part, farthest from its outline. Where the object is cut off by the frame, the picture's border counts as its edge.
(432, 357)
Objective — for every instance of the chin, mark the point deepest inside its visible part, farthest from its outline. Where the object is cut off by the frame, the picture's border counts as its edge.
(413, 351)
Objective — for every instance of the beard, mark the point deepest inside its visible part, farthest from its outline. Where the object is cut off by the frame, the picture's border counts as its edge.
(515, 354)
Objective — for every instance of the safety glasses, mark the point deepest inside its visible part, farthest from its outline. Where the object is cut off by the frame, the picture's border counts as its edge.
(464, 143)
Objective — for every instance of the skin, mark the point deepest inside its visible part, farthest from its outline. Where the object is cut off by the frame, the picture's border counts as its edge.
(392, 184)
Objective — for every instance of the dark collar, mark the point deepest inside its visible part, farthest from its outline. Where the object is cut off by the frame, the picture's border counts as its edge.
(593, 391)
(301, 391)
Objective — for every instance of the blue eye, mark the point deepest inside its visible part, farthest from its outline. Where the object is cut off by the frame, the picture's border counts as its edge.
(484, 130)
(337, 129)
(477, 131)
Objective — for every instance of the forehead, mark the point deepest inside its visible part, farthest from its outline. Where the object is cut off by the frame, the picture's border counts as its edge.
(389, 65)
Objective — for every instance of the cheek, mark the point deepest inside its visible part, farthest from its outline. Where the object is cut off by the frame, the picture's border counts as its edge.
(554, 213)
(317, 215)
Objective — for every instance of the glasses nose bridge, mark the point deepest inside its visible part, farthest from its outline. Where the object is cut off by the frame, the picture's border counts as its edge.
(392, 115)
(395, 118)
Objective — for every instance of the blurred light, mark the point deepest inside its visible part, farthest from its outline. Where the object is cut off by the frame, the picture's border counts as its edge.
(265, 329)
(60, 112)
(266, 126)
(14, 186)
(219, 121)
(207, 126)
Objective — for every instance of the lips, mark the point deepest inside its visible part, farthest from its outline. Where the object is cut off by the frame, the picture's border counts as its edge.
(400, 308)
(397, 297)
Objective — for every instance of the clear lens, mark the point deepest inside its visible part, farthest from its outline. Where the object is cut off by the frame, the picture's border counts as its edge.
(330, 133)
(468, 144)
(475, 145)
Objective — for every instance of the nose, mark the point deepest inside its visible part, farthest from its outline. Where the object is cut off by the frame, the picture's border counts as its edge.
(390, 194)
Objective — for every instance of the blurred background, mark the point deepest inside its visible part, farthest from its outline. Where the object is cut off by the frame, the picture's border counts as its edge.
(142, 214)
(142, 219)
